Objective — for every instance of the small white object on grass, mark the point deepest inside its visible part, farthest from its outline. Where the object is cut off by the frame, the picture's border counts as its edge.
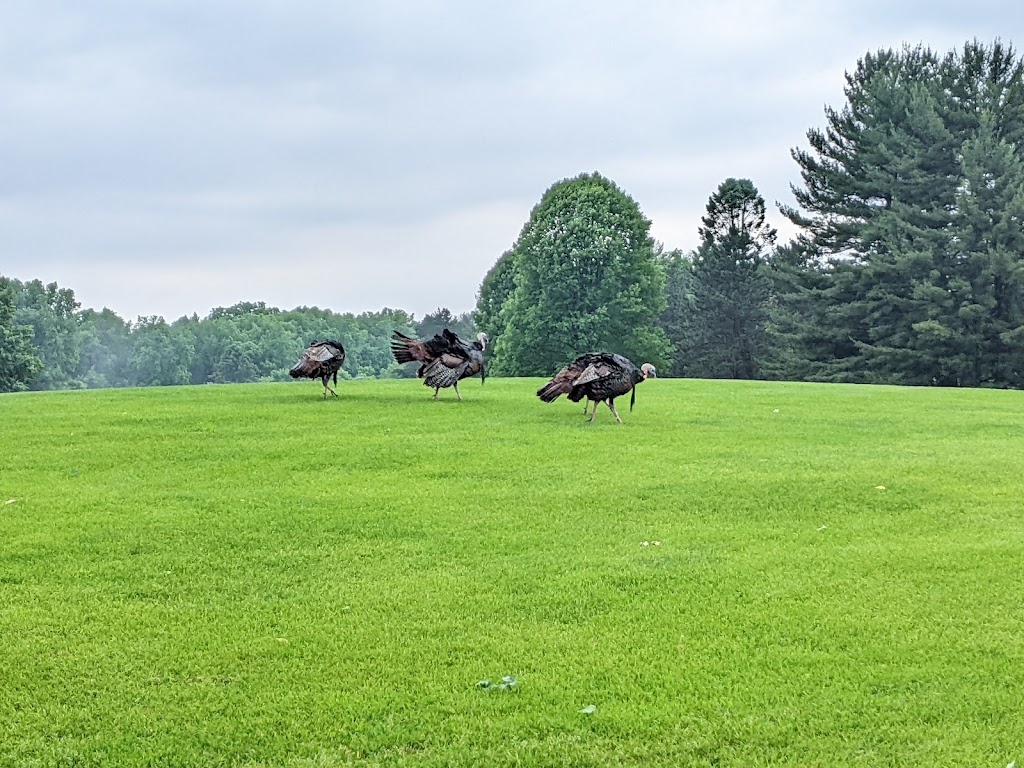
(9, 501)
(588, 710)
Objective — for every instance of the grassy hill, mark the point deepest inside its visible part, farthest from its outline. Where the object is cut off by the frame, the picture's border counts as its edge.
(741, 574)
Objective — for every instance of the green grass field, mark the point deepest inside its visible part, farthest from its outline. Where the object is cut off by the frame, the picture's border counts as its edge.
(251, 576)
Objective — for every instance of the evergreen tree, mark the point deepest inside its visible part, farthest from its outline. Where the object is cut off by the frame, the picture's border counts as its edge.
(585, 279)
(726, 333)
(975, 326)
(797, 341)
(888, 204)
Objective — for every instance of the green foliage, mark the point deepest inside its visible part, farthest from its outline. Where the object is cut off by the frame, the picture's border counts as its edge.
(105, 348)
(495, 291)
(159, 357)
(72, 348)
(585, 279)
(187, 579)
(734, 220)
(800, 284)
(911, 202)
(680, 306)
(724, 335)
(50, 312)
(19, 363)
(976, 327)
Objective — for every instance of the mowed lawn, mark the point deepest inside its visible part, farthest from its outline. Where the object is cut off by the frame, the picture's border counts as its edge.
(742, 574)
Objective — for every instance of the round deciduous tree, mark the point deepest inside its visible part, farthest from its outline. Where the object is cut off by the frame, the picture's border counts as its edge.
(581, 277)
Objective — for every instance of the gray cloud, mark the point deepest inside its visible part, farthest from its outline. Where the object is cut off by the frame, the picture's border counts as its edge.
(169, 157)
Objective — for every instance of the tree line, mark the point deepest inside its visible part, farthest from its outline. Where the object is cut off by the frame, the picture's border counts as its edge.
(48, 342)
(908, 267)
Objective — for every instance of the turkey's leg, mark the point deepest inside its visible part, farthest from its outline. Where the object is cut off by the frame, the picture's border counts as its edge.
(611, 404)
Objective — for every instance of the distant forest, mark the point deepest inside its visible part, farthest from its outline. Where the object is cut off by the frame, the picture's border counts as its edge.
(908, 267)
(83, 348)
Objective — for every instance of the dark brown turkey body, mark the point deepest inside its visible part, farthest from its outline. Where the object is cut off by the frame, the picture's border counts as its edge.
(599, 377)
(445, 360)
(321, 360)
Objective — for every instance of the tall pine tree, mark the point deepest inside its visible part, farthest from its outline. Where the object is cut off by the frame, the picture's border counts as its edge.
(887, 204)
(727, 329)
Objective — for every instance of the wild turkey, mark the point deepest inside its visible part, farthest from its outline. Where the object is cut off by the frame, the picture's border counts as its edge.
(321, 360)
(599, 377)
(649, 371)
(444, 360)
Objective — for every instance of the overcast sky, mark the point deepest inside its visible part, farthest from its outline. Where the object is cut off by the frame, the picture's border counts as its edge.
(171, 156)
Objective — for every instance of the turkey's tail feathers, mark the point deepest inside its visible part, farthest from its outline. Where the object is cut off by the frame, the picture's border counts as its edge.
(304, 369)
(551, 391)
(403, 348)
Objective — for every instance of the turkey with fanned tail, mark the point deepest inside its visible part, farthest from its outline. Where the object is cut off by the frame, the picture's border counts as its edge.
(445, 360)
(321, 360)
(599, 377)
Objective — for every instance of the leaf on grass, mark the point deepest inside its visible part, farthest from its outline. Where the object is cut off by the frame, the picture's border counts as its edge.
(879, 487)
(9, 501)
(588, 710)
(821, 527)
(508, 681)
